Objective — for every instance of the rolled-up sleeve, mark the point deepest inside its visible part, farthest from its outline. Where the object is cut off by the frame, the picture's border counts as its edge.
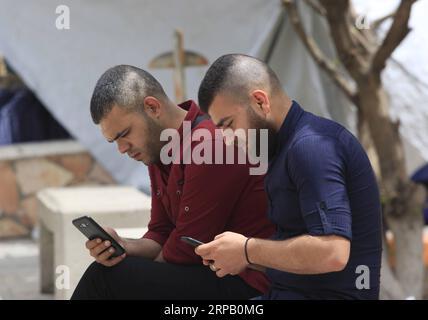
(316, 164)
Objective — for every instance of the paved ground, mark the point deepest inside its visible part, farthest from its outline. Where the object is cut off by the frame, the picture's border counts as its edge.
(19, 266)
(19, 270)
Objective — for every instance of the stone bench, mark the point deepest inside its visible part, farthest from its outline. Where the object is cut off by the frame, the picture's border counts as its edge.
(63, 256)
(27, 168)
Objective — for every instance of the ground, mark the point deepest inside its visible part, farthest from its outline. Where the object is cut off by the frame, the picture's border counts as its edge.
(19, 270)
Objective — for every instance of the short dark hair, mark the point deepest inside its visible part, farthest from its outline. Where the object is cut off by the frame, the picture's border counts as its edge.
(125, 86)
(236, 74)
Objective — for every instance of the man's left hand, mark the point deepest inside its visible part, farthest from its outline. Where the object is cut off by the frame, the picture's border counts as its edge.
(225, 252)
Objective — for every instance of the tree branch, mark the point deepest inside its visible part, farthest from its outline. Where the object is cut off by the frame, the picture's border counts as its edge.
(376, 24)
(322, 61)
(316, 7)
(351, 52)
(396, 34)
(365, 41)
(365, 37)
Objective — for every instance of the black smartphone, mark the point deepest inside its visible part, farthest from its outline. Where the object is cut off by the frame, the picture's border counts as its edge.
(191, 241)
(93, 230)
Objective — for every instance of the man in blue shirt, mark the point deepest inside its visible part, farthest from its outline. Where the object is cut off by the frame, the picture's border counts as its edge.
(323, 195)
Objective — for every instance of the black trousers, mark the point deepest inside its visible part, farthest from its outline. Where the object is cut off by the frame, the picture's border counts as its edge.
(141, 278)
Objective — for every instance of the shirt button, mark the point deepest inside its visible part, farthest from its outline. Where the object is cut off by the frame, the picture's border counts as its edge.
(178, 192)
(158, 192)
(186, 208)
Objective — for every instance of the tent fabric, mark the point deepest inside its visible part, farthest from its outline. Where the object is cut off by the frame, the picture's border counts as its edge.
(62, 66)
(24, 119)
(5, 96)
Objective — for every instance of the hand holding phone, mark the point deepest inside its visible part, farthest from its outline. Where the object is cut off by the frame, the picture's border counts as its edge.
(195, 243)
(105, 254)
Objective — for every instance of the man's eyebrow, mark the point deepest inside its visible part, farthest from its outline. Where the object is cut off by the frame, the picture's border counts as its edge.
(221, 122)
(118, 135)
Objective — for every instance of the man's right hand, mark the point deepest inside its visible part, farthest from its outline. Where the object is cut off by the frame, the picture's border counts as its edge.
(102, 250)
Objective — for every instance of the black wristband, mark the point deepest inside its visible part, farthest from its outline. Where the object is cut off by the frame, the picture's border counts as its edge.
(245, 250)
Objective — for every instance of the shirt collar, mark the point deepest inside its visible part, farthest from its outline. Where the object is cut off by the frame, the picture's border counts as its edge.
(193, 111)
(289, 125)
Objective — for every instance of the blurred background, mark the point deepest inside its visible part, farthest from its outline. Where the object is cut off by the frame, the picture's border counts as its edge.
(361, 63)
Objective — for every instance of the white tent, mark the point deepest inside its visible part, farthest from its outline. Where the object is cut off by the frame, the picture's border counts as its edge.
(62, 66)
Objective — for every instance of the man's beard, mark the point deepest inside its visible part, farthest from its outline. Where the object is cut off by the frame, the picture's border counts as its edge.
(154, 144)
(258, 123)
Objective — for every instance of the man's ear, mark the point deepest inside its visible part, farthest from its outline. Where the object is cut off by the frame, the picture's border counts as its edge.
(260, 101)
(152, 107)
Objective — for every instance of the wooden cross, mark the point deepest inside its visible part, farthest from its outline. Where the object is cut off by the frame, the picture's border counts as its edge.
(178, 60)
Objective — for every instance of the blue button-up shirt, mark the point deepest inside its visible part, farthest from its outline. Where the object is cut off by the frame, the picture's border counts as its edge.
(320, 182)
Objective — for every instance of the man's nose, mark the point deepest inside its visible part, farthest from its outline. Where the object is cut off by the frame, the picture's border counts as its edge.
(123, 146)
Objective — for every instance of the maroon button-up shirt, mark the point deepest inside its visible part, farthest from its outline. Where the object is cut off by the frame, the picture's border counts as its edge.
(204, 200)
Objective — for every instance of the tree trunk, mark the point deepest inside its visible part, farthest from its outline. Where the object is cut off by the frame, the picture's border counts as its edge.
(409, 268)
(373, 103)
(366, 141)
(403, 200)
(390, 287)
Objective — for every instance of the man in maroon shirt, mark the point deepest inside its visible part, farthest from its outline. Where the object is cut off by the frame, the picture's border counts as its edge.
(195, 200)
